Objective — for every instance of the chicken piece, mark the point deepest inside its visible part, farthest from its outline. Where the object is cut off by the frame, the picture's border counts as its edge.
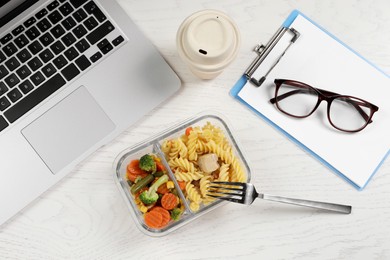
(208, 162)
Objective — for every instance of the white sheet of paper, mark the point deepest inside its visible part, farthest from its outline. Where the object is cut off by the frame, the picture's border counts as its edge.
(323, 62)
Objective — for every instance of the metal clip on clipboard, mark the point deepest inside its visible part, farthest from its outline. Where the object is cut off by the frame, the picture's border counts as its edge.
(263, 52)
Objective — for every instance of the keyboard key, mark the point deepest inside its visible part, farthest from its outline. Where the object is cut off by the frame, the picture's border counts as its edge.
(21, 41)
(2, 57)
(90, 23)
(52, 5)
(105, 46)
(100, 32)
(29, 22)
(71, 53)
(26, 86)
(118, 40)
(3, 123)
(57, 31)
(44, 25)
(24, 55)
(99, 15)
(66, 9)
(18, 30)
(90, 7)
(82, 62)
(55, 17)
(46, 55)
(79, 31)
(32, 33)
(10, 49)
(34, 64)
(6, 38)
(70, 71)
(14, 95)
(82, 45)
(11, 80)
(77, 3)
(41, 13)
(3, 88)
(68, 23)
(3, 71)
(68, 39)
(49, 70)
(34, 98)
(80, 15)
(93, 9)
(23, 72)
(57, 47)
(96, 57)
(4, 103)
(12, 63)
(46, 39)
(37, 78)
(35, 47)
(60, 61)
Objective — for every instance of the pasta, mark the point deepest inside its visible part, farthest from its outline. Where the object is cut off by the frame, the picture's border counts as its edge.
(224, 172)
(183, 153)
(183, 164)
(187, 176)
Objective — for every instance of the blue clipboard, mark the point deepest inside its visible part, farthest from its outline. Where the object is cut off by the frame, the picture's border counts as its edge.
(257, 62)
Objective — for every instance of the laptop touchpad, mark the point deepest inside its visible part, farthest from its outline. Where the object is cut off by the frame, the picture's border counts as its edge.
(68, 129)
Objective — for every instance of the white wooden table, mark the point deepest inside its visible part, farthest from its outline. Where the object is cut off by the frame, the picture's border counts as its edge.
(84, 216)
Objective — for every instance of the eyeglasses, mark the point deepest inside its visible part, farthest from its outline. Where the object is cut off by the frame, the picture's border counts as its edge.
(345, 113)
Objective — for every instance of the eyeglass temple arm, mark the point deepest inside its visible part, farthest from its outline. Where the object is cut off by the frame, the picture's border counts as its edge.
(287, 94)
(325, 92)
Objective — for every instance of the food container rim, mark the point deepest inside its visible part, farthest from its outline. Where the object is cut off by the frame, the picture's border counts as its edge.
(162, 135)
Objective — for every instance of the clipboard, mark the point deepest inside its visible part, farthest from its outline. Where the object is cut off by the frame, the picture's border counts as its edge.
(302, 50)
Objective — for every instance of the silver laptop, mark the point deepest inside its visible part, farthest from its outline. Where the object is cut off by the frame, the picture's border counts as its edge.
(73, 75)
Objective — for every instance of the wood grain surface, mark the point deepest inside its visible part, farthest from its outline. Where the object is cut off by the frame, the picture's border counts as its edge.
(85, 217)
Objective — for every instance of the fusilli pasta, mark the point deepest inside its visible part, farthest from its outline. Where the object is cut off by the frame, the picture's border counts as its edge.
(183, 155)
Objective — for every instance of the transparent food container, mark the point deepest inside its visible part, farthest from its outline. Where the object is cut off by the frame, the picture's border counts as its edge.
(210, 135)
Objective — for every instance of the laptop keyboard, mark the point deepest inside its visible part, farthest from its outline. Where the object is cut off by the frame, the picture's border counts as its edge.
(49, 49)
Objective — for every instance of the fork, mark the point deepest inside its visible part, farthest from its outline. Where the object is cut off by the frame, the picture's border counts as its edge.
(245, 193)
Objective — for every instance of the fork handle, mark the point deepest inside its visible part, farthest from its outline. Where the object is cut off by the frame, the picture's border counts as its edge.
(309, 203)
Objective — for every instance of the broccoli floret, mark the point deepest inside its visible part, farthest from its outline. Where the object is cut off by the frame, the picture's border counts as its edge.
(147, 163)
(150, 196)
(176, 213)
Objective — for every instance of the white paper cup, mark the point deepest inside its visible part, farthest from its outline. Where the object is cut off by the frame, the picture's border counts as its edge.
(208, 41)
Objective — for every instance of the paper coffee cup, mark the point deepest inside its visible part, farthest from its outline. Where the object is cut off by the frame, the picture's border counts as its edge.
(208, 41)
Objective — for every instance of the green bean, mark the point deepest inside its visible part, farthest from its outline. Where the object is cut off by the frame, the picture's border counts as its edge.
(158, 174)
(142, 183)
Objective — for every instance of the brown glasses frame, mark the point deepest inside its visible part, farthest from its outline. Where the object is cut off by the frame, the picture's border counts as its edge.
(328, 97)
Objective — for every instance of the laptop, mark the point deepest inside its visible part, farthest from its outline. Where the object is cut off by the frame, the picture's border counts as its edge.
(73, 75)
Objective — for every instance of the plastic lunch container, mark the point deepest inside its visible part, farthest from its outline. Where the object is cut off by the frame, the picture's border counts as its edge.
(154, 145)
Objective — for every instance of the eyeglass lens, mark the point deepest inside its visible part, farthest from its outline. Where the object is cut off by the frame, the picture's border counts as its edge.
(348, 114)
(299, 100)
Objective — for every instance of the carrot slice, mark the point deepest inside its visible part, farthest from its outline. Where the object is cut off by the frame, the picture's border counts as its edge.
(133, 171)
(153, 219)
(169, 201)
(162, 189)
(131, 176)
(182, 185)
(134, 168)
(188, 130)
(166, 217)
(160, 166)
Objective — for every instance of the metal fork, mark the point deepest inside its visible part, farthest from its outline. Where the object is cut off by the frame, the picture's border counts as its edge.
(245, 193)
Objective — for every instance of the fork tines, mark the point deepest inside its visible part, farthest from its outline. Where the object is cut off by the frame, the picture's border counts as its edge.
(230, 191)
